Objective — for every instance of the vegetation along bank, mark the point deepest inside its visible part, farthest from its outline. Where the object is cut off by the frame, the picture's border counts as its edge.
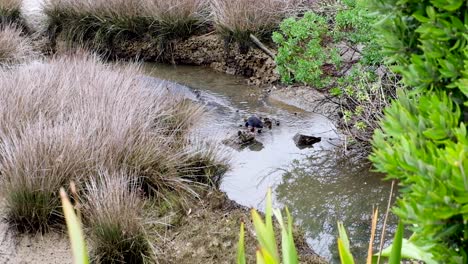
(396, 72)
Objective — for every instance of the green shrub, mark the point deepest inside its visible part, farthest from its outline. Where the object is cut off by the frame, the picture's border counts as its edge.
(308, 50)
(301, 55)
(338, 51)
(423, 142)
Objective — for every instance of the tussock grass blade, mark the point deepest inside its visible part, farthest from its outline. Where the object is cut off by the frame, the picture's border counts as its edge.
(265, 236)
(241, 246)
(267, 257)
(260, 259)
(287, 240)
(273, 250)
(343, 235)
(343, 246)
(395, 255)
(345, 254)
(80, 253)
(264, 230)
(371, 242)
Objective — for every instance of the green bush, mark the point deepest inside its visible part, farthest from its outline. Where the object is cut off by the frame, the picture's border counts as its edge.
(300, 54)
(423, 142)
(308, 50)
(338, 51)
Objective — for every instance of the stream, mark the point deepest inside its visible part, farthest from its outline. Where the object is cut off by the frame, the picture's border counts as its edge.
(319, 185)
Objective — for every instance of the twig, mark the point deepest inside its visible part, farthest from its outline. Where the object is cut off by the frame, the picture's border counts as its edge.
(385, 222)
(262, 46)
(373, 228)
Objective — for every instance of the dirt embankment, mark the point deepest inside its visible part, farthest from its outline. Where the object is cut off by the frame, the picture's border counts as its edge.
(203, 231)
(205, 50)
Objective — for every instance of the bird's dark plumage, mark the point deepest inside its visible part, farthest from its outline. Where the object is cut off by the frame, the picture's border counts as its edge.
(254, 122)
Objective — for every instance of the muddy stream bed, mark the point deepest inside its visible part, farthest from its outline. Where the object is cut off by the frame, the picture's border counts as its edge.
(319, 185)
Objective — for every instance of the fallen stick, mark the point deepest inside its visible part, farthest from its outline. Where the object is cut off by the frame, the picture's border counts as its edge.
(262, 47)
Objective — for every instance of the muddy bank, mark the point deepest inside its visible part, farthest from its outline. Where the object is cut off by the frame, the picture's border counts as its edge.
(209, 234)
(200, 231)
(205, 50)
(306, 97)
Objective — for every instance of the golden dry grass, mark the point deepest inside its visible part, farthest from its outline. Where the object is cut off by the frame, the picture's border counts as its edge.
(238, 19)
(15, 47)
(113, 207)
(104, 22)
(10, 5)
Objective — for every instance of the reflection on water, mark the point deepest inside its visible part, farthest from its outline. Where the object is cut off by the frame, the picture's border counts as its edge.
(325, 188)
(317, 185)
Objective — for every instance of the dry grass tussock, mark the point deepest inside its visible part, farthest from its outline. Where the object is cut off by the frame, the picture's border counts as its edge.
(238, 19)
(113, 207)
(103, 21)
(74, 116)
(10, 11)
(15, 47)
(10, 5)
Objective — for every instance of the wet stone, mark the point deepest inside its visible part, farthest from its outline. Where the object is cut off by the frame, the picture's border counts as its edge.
(304, 141)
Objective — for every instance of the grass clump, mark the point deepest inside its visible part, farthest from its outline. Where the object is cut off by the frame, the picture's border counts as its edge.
(15, 47)
(10, 10)
(103, 24)
(35, 163)
(114, 209)
(74, 116)
(236, 20)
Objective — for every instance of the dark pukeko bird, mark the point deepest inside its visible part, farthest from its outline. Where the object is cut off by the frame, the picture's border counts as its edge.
(253, 123)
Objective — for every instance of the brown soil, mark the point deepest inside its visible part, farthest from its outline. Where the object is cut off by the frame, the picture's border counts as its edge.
(306, 97)
(209, 234)
(205, 50)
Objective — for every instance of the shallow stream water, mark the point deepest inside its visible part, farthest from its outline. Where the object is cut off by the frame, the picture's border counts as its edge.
(319, 185)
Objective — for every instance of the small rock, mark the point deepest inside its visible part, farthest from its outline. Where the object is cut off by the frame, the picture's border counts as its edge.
(244, 137)
(267, 122)
(304, 141)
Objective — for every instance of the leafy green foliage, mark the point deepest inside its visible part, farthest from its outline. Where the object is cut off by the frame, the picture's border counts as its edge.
(300, 53)
(426, 41)
(423, 142)
(424, 145)
(308, 47)
(410, 251)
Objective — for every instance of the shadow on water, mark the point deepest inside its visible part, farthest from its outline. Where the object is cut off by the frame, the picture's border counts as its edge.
(318, 185)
